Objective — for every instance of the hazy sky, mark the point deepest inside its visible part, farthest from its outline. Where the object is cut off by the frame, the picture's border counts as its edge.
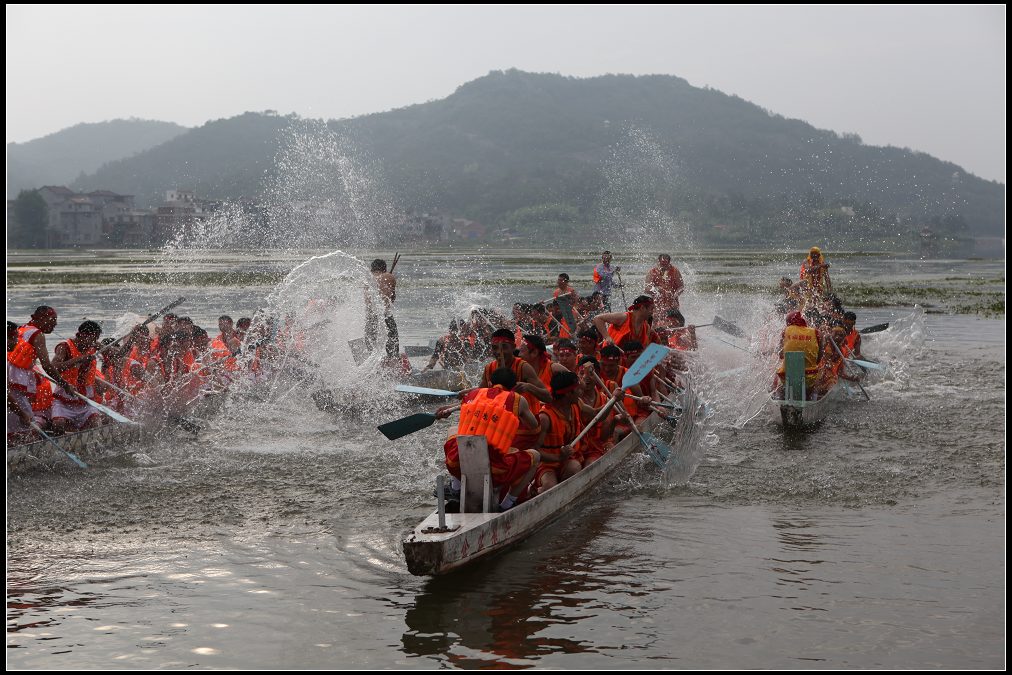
(925, 77)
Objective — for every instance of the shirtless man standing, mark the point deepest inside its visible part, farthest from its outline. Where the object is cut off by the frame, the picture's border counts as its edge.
(386, 284)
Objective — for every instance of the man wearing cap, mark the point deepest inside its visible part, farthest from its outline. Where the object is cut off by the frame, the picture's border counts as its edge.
(815, 272)
(603, 274)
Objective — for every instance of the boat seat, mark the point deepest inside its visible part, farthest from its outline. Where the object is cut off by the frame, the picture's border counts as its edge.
(474, 467)
(794, 376)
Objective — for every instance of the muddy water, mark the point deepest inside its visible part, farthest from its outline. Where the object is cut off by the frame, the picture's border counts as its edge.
(273, 539)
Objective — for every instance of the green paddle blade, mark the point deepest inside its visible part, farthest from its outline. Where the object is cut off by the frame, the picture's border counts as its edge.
(877, 328)
(870, 365)
(658, 450)
(647, 361)
(407, 425)
(728, 327)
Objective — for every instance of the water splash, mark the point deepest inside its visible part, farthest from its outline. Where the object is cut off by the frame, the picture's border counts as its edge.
(327, 192)
(897, 347)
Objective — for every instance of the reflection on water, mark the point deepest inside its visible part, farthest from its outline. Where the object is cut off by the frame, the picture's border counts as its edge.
(502, 614)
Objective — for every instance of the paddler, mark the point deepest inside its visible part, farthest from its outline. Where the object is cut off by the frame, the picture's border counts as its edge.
(799, 337)
(497, 413)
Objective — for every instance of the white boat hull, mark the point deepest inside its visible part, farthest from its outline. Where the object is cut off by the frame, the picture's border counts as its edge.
(473, 536)
(802, 414)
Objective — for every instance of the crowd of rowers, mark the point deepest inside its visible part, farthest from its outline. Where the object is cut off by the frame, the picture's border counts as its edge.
(571, 317)
(167, 371)
(817, 326)
(538, 401)
(552, 369)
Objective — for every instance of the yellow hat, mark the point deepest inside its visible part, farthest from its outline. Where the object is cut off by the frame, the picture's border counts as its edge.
(815, 249)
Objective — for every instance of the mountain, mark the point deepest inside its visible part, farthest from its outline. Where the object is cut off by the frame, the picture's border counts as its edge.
(511, 148)
(59, 158)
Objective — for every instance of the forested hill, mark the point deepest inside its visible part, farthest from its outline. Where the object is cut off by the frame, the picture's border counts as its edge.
(59, 158)
(515, 148)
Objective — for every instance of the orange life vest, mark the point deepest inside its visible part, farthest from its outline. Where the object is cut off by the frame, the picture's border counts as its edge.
(852, 337)
(23, 355)
(517, 367)
(681, 340)
(611, 384)
(560, 329)
(545, 374)
(594, 440)
(618, 334)
(633, 407)
(561, 431)
(815, 277)
(805, 340)
(131, 383)
(43, 399)
(494, 414)
(84, 382)
(221, 350)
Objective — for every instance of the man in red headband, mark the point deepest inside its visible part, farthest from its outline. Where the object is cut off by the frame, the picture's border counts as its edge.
(561, 422)
(565, 355)
(534, 351)
(31, 347)
(528, 384)
(635, 324)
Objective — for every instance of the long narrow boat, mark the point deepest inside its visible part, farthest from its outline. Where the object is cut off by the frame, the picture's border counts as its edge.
(798, 414)
(469, 537)
(40, 454)
(91, 443)
(794, 411)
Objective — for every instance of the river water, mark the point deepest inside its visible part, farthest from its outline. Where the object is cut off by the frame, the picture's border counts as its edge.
(272, 539)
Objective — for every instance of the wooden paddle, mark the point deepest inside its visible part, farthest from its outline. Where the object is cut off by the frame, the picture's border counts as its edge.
(566, 306)
(48, 439)
(728, 327)
(657, 449)
(867, 365)
(877, 328)
(621, 288)
(164, 310)
(108, 412)
(407, 425)
(647, 361)
(837, 348)
(359, 350)
(411, 389)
